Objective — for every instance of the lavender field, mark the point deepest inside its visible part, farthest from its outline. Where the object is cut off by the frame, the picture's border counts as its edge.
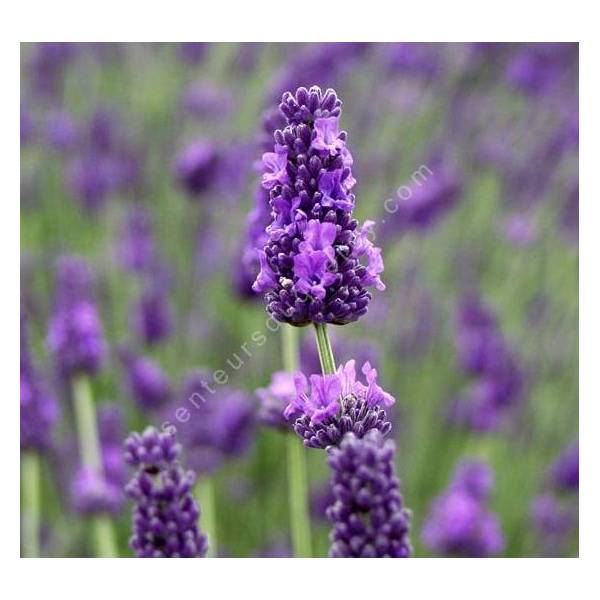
(299, 300)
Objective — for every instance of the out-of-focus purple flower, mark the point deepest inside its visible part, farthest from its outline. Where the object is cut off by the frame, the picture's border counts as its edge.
(61, 132)
(204, 100)
(89, 179)
(104, 131)
(565, 471)
(218, 423)
(111, 432)
(424, 201)
(321, 64)
(459, 522)
(542, 67)
(234, 423)
(146, 382)
(484, 353)
(193, 52)
(367, 515)
(136, 246)
(27, 126)
(414, 58)
(195, 168)
(336, 404)
(247, 265)
(47, 65)
(569, 216)
(275, 398)
(165, 518)
(321, 498)
(75, 336)
(520, 230)
(39, 409)
(92, 493)
(553, 523)
(311, 269)
(152, 316)
(475, 478)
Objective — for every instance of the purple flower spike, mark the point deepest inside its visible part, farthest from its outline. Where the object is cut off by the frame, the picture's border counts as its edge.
(39, 409)
(565, 471)
(311, 268)
(75, 336)
(196, 168)
(165, 518)
(367, 513)
(337, 404)
(459, 522)
(147, 383)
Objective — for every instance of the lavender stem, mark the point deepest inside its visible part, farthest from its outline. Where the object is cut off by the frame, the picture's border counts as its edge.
(31, 504)
(91, 457)
(205, 496)
(296, 462)
(324, 348)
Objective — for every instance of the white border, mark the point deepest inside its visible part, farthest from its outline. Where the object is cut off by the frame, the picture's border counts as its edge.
(280, 21)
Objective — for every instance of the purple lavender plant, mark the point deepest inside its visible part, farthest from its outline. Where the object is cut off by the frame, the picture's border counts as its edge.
(165, 518)
(565, 470)
(136, 248)
(195, 168)
(337, 404)
(367, 515)
(484, 353)
(459, 523)
(429, 198)
(553, 523)
(94, 492)
(220, 423)
(75, 336)
(152, 317)
(146, 382)
(39, 409)
(311, 268)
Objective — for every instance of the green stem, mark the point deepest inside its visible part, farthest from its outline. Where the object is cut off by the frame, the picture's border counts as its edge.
(205, 495)
(91, 458)
(31, 504)
(296, 462)
(325, 351)
(104, 537)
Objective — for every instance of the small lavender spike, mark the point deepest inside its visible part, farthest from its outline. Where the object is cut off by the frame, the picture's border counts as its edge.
(165, 519)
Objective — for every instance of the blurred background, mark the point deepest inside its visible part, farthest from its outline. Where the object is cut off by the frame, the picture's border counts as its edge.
(138, 171)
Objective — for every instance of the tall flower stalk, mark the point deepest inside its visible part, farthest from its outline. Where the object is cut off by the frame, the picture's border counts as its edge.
(91, 458)
(76, 340)
(39, 412)
(296, 462)
(315, 267)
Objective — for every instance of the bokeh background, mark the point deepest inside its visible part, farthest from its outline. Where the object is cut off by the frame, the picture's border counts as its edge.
(140, 159)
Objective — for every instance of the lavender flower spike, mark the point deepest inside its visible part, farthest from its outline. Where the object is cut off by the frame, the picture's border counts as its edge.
(75, 336)
(368, 517)
(337, 404)
(310, 267)
(459, 522)
(165, 519)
